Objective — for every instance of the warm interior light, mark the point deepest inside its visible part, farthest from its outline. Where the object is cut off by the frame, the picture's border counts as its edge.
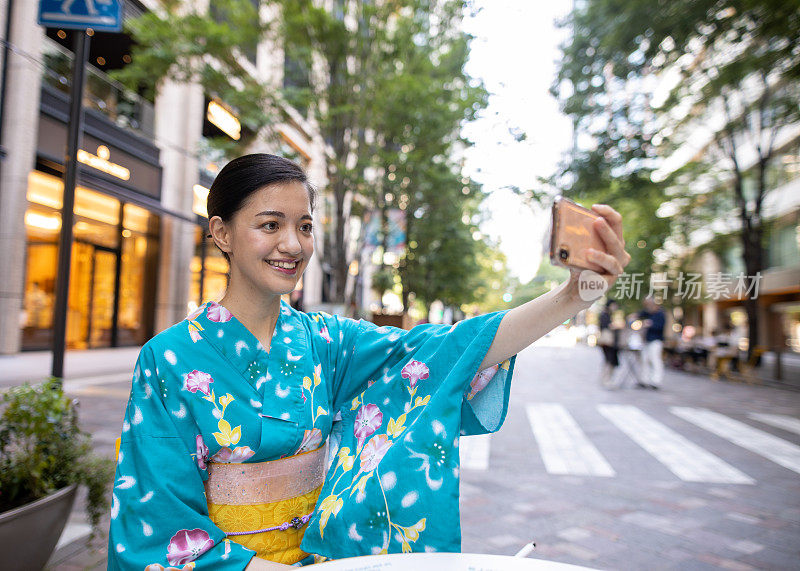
(199, 200)
(224, 119)
(42, 222)
(103, 164)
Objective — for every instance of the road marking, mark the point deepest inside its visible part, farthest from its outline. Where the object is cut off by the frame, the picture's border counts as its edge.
(474, 451)
(757, 441)
(681, 456)
(563, 445)
(778, 420)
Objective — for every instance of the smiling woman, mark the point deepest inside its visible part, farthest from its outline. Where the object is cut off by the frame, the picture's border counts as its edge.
(345, 434)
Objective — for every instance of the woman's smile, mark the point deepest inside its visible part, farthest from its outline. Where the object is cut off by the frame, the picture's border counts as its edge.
(285, 266)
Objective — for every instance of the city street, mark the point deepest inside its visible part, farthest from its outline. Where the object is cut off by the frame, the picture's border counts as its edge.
(698, 475)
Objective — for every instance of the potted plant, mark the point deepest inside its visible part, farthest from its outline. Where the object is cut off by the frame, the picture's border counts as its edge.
(44, 457)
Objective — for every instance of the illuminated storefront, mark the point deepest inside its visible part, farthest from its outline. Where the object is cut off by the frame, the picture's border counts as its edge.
(113, 274)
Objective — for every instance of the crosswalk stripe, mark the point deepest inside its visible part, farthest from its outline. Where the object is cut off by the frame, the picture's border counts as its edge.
(563, 445)
(778, 420)
(681, 456)
(762, 443)
(474, 451)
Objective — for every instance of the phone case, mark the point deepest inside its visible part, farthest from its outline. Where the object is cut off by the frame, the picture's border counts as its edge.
(572, 234)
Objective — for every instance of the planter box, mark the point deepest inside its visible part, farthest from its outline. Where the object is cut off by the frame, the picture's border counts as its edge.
(29, 533)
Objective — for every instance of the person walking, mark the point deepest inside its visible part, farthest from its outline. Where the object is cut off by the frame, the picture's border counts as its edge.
(608, 340)
(653, 320)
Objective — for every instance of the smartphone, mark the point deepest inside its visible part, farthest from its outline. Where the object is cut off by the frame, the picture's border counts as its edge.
(572, 234)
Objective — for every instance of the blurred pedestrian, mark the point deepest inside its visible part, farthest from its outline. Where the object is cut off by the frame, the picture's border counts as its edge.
(608, 340)
(222, 462)
(653, 320)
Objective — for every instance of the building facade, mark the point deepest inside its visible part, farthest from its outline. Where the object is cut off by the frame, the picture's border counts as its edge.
(140, 256)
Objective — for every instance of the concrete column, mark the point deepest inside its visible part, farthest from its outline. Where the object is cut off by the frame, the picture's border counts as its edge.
(178, 126)
(21, 117)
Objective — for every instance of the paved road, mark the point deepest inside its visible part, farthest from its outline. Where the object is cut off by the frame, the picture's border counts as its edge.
(699, 475)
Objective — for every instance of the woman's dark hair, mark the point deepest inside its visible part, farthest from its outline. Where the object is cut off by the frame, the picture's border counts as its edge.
(244, 175)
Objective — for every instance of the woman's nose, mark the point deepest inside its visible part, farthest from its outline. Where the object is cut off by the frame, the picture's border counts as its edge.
(290, 244)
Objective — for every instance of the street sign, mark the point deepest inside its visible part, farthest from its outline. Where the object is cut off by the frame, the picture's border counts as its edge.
(104, 15)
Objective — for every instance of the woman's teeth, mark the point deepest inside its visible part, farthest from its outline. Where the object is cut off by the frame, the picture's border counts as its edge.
(284, 265)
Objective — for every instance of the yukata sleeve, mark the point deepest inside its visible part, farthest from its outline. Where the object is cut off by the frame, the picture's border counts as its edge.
(366, 353)
(158, 507)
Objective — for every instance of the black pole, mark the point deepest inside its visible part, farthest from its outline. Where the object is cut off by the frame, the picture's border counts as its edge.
(80, 50)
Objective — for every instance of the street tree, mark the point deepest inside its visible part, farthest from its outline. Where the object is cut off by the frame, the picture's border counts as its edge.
(640, 80)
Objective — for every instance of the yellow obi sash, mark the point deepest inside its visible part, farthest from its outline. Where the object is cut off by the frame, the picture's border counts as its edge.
(265, 506)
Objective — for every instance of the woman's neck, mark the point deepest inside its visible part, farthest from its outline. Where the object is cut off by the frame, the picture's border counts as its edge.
(257, 313)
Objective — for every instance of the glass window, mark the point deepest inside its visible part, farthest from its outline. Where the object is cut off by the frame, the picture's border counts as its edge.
(113, 270)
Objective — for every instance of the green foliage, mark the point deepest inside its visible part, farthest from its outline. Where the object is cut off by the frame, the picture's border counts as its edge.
(640, 79)
(42, 449)
(184, 44)
(384, 83)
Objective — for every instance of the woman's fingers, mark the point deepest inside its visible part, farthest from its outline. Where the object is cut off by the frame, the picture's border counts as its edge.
(612, 241)
(611, 216)
(608, 262)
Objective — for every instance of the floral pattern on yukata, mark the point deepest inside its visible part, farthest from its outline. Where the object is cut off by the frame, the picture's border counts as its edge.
(205, 390)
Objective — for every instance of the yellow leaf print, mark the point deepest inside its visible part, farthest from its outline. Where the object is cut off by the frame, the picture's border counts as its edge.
(226, 436)
(426, 400)
(330, 505)
(226, 400)
(505, 365)
(362, 483)
(321, 411)
(211, 398)
(345, 460)
(412, 533)
(396, 427)
(317, 375)
(306, 383)
(356, 402)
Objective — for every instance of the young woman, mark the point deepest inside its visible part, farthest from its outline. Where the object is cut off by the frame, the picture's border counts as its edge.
(223, 463)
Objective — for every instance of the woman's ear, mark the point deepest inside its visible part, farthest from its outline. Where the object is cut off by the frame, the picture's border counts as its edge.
(219, 232)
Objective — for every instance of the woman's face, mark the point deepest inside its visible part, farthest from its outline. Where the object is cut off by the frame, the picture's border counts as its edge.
(269, 240)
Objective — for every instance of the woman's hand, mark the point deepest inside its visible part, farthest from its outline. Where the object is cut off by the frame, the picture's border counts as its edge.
(612, 259)
(523, 325)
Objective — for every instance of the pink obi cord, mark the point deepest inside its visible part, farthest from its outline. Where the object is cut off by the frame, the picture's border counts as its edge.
(296, 522)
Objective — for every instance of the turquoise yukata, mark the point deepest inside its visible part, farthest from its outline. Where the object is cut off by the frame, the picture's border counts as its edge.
(392, 404)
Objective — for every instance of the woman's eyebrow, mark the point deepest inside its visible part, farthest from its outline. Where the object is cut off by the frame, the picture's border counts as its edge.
(279, 214)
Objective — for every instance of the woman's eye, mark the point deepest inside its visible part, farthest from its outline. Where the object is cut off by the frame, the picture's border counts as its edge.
(270, 226)
(306, 228)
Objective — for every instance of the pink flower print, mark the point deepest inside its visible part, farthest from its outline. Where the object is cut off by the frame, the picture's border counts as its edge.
(197, 381)
(325, 335)
(218, 313)
(236, 456)
(188, 545)
(311, 441)
(368, 419)
(202, 452)
(414, 371)
(374, 452)
(480, 380)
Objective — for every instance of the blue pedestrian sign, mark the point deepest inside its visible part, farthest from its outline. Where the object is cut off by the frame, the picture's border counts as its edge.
(104, 15)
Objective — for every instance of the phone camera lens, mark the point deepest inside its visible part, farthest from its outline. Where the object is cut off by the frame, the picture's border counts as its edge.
(563, 254)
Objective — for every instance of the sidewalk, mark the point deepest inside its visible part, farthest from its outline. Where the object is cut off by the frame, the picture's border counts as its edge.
(99, 364)
(103, 399)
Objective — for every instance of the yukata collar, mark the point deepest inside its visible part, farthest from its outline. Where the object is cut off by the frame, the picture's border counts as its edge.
(229, 337)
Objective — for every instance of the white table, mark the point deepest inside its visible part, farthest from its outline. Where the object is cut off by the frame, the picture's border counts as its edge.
(445, 562)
